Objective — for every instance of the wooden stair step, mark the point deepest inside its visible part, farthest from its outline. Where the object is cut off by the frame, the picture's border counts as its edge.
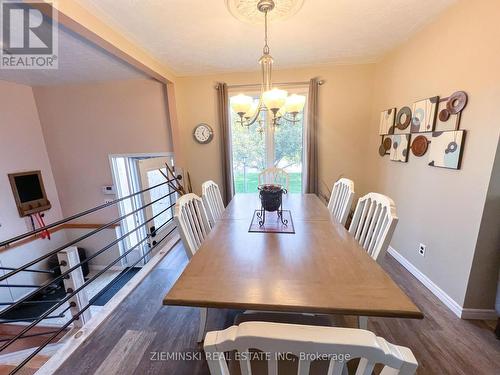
(30, 368)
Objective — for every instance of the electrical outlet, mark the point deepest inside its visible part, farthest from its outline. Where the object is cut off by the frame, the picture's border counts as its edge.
(106, 201)
(421, 249)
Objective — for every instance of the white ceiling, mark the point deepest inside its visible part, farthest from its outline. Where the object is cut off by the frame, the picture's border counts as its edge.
(202, 36)
(79, 61)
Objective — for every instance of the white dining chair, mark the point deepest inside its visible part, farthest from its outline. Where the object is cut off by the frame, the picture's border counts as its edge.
(193, 225)
(341, 199)
(213, 201)
(279, 341)
(275, 176)
(373, 223)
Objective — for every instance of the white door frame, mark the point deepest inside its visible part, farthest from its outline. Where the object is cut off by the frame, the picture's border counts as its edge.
(134, 186)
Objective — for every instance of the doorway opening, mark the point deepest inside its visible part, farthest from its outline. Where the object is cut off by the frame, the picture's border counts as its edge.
(133, 173)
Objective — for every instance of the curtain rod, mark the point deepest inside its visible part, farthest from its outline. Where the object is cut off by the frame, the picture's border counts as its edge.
(304, 83)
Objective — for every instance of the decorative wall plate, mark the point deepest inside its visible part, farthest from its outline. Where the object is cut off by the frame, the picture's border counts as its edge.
(456, 102)
(419, 146)
(403, 120)
(381, 150)
(450, 111)
(385, 146)
(387, 143)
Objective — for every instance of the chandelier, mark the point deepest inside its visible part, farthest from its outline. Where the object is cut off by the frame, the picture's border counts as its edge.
(276, 101)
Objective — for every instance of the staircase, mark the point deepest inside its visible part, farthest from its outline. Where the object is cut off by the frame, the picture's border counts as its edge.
(9, 361)
(48, 330)
(19, 350)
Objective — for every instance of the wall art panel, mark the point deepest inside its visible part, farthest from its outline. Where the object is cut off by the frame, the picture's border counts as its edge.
(399, 148)
(424, 115)
(445, 149)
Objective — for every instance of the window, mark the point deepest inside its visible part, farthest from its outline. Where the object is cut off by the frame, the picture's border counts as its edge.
(263, 145)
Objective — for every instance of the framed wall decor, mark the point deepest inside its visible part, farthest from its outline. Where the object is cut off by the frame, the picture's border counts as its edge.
(436, 119)
(449, 111)
(424, 115)
(399, 147)
(387, 118)
(446, 149)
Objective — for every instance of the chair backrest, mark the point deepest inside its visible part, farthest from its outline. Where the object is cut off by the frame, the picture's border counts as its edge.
(341, 199)
(212, 200)
(192, 222)
(373, 223)
(274, 176)
(306, 342)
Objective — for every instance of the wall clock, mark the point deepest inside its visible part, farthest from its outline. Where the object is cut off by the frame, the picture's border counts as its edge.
(203, 133)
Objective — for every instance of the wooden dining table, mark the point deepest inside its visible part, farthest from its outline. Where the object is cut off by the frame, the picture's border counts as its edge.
(320, 268)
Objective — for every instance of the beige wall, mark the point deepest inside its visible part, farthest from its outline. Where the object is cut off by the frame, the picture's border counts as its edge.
(438, 207)
(344, 115)
(83, 124)
(22, 148)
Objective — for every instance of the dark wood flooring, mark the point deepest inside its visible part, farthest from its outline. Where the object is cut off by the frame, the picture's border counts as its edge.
(137, 338)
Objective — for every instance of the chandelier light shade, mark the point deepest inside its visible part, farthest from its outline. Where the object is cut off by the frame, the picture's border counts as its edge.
(241, 104)
(274, 100)
(295, 103)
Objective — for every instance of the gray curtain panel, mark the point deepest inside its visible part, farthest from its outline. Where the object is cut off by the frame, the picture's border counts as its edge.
(310, 180)
(225, 131)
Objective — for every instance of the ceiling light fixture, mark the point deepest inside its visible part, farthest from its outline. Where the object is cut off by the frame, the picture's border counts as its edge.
(278, 102)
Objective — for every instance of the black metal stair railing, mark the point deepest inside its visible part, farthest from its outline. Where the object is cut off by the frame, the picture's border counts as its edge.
(34, 271)
(55, 304)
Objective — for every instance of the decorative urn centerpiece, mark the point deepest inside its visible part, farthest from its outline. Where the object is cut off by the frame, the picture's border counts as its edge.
(271, 199)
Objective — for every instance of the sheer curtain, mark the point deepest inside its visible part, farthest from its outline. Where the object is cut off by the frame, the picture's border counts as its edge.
(225, 131)
(310, 180)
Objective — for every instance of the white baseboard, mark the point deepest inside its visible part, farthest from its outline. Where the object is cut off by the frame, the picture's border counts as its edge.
(479, 314)
(459, 311)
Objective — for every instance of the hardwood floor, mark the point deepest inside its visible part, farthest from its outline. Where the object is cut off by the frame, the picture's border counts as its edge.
(141, 335)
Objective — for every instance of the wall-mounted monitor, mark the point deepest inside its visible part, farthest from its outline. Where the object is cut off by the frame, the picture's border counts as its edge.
(29, 192)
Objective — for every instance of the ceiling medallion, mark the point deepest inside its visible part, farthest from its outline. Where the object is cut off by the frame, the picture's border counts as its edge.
(248, 11)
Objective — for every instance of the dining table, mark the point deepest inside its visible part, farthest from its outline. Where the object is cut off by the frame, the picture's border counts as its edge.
(320, 268)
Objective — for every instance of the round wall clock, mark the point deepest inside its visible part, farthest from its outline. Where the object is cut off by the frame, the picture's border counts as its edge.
(203, 133)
